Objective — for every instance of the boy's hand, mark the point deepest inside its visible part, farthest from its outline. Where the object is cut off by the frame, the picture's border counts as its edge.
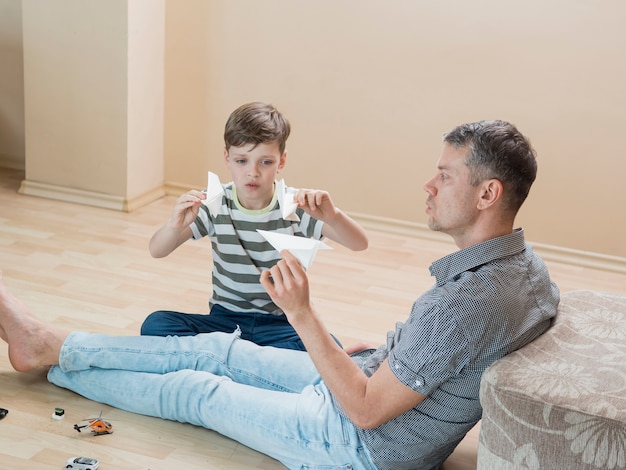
(186, 209)
(288, 286)
(316, 203)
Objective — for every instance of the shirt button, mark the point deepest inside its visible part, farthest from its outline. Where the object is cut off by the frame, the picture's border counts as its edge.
(418, 383)
(396, 366)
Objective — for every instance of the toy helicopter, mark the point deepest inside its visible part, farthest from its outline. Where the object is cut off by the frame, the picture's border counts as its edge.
(98, 426)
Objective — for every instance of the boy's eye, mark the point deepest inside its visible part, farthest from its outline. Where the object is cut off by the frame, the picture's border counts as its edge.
(267, 162)
(240, 161)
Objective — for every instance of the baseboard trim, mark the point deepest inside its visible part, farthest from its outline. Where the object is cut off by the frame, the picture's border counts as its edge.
(557, 254)
(176, 189)
(90, 198)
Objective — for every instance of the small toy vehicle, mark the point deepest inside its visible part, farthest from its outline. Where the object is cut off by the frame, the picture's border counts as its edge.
(82, 463)
(97, 425)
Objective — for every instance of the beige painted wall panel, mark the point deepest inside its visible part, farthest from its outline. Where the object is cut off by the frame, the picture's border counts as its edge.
(11, 85)
(146, 88)
(370, 87)
(75, 56)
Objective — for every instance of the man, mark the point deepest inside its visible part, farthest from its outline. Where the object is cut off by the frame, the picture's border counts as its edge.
(405, 405)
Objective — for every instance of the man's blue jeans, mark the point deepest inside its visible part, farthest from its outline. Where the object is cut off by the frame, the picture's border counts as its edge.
(269, 399)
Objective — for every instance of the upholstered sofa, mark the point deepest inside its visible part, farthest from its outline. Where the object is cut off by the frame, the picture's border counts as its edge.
(559, 403)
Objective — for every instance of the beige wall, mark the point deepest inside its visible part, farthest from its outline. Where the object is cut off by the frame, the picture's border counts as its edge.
(370, 86)
(11, 85)
(94, 100)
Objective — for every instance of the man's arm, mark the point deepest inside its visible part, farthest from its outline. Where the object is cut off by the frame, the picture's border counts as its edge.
(338, 226)
(367, 401)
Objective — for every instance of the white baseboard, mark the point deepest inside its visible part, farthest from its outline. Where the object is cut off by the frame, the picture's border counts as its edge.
(547, 252)
(90, 198)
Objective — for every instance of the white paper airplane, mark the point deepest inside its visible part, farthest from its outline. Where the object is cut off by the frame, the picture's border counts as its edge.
(214, 193)
(304, 249)
(285, 199)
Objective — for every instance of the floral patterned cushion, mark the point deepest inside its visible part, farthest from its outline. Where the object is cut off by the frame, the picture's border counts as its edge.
(560, 401)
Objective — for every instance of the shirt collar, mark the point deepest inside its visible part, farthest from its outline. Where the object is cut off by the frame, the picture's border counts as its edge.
(471, 257)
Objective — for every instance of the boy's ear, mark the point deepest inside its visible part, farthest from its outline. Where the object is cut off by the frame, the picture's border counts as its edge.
(225, 154)
(282, 161)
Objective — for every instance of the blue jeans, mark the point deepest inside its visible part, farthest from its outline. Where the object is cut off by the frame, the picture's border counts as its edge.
(260, 328)
(272, 400)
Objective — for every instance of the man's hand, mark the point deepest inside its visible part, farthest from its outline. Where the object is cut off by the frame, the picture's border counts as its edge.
(288, 286)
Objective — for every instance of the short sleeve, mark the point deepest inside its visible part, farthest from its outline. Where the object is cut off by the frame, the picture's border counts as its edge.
(431, 349)
(202, 225)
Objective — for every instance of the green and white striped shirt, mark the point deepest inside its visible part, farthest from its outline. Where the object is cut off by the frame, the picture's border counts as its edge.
(240, 253)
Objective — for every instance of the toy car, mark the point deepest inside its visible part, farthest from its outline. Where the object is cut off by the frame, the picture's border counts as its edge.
(82, 463)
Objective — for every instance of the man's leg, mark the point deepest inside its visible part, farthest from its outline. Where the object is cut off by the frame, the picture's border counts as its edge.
(298, 429)
(295, 428)
(223, 354)
(267, 398)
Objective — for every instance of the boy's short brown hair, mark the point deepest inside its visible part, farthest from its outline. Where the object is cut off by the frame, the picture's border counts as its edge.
(256, 123)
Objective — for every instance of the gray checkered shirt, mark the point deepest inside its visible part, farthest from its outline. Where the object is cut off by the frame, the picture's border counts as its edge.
(489, 300)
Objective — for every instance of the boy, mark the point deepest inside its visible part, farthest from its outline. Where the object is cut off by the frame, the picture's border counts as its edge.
(255, 138)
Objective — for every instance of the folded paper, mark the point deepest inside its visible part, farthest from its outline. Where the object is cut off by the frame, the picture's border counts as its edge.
(214, 193)
(304, 249)
(286, 201)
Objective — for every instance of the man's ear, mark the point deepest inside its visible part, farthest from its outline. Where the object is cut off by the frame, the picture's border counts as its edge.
(491, 192)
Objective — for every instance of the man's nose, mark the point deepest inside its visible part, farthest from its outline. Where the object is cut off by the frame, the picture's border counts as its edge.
(429, 187)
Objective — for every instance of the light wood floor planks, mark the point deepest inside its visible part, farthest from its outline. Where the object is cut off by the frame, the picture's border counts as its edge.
(87, 268)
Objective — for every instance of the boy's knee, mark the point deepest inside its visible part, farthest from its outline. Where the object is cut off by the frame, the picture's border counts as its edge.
(153, 324)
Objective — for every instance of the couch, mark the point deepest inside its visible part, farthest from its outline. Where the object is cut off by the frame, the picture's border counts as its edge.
(560, 402)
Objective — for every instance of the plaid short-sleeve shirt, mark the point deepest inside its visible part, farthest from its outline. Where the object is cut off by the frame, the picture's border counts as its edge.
(489, 300)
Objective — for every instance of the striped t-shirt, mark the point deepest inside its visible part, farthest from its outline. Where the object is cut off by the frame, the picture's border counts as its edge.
(240, 253)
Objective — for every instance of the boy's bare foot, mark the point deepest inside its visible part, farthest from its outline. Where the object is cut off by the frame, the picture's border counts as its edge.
(32, 343)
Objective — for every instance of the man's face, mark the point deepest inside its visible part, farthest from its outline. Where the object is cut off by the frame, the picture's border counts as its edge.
(254, 171)
(452, 202)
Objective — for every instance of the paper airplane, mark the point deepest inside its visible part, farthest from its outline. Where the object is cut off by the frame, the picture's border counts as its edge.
(304, 249)
(285, 199)
(214, 193)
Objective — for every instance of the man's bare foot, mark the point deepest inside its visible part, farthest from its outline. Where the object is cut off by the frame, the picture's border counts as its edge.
(32, 343)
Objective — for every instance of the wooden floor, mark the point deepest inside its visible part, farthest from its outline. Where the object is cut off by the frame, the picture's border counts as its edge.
(87, 268)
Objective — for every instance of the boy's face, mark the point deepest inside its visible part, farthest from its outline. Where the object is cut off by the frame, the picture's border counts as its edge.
(254, 171)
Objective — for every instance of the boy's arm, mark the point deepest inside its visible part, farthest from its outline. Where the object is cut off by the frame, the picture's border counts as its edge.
(176, 230)
(338, 226)
(367, 401)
